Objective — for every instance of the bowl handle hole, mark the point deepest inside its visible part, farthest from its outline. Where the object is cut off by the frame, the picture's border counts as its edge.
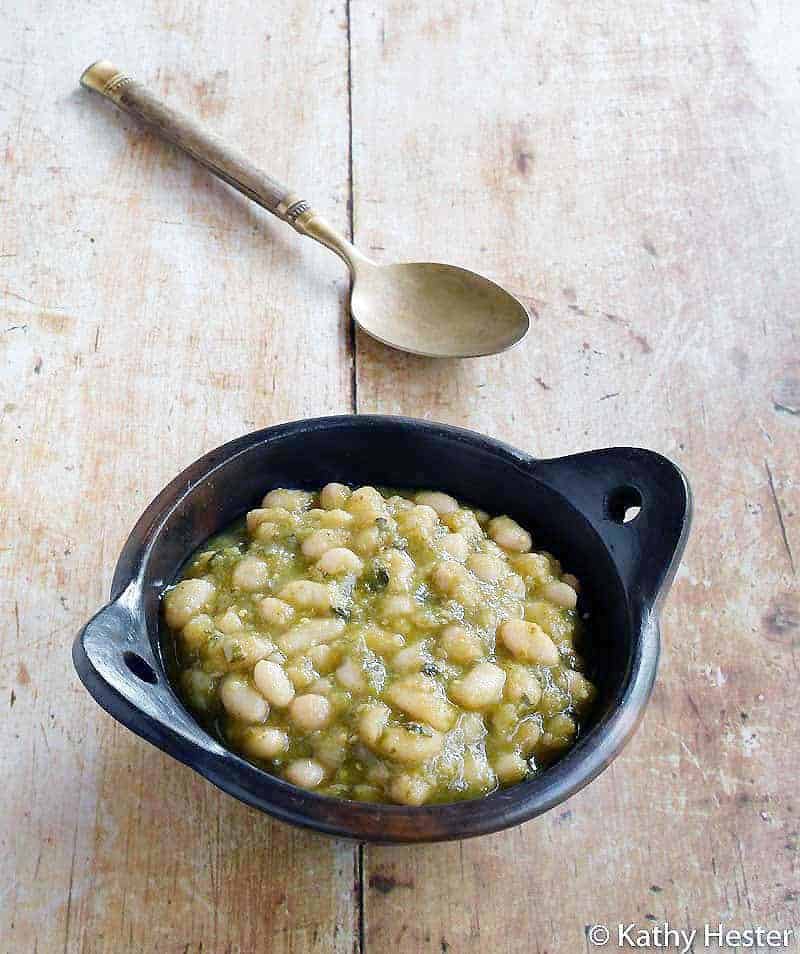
(624, 504)
(141, 669)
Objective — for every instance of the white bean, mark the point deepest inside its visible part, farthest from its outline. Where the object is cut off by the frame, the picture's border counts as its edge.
(301, 671)
(336, 519)
(412, 658)
(528, 733)
(274, 611)
(532, 566)
(333, 496)
(455, 581)
(505, 720)
(200, 687)
(273, 683)
(401, 569)
(514, 585)
(320, 541)
(242, 701)
(397, 606)
(441, 503)
(330, 748)
(510, 767)
(305, 773)
(521, 684)
(472, 727)
(561, 593)
(308, 634)
(366, 505)
(508, 534)
(561, 728)
(581, 690)
(477, 772)
(464, 522)
(196, 632)
(460, 646)
(322, 687)
(287, 499)
(572, 581)
(528, 642)
(250, 574)
(242, 651)
(456, 545)
(446, 576)
(481, 687)
(323, 657)
(265, 742)
(398, 503)
(382, 641)
(411, 748)
(310, 712)
(307, 594)
(486, 567)
(407, 789)
(277, 516)
(372, 720)
(187, 599)
(351, 676)
(266, 532)
(229, 622)
(420, 521)
(368, 541)
(419, 698)
(545, 614)
(340, 560)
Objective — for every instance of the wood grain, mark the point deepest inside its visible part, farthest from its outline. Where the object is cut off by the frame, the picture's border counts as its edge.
(631, 170)
(627, 167)
(149, 314)
(186, 132)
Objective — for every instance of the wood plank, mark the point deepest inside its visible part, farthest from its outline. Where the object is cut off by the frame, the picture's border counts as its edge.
(629, 169)
(148, 314)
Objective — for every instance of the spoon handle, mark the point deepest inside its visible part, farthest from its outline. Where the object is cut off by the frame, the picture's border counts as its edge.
(190, 136)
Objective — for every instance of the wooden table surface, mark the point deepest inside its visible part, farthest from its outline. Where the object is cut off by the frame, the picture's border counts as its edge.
(632, 171)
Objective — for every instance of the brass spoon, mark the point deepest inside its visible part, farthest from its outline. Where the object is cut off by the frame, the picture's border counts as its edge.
(425, 308)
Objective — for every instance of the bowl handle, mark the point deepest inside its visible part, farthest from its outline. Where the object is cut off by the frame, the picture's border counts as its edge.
(638, 502)
(116, 663)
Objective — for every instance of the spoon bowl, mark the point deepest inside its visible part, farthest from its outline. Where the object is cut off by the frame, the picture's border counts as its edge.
(440, 311)
(425, 308)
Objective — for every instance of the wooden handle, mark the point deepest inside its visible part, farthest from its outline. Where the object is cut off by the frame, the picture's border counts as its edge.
(186, 133)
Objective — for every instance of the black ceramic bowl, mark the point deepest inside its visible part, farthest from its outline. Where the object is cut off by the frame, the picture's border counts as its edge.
(575, 506)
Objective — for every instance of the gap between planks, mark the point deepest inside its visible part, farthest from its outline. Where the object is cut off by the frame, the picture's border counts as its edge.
(351, 325)
(360, 945)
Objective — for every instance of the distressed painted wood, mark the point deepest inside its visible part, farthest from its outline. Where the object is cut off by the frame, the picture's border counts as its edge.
(148, 314)
(631, 168)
